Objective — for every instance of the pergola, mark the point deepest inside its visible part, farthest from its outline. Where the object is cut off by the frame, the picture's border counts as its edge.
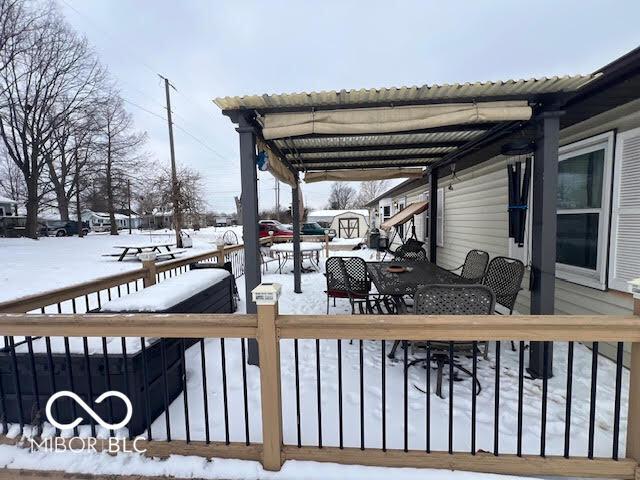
(414, 131)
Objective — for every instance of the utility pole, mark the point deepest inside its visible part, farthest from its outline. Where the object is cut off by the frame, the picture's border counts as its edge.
(177, 214)
(277, 190)
(129, 202)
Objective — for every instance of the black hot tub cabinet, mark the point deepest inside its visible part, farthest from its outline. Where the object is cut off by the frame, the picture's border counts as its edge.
(141, 375)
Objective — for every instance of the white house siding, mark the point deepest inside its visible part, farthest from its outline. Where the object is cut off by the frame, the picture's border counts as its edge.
(475, 216)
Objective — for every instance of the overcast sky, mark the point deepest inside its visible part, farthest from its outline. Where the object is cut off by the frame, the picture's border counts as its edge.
(210, 48)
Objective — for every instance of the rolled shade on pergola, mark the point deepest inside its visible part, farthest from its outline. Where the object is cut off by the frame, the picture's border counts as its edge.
(404, 215)
(363, 175)
(390, 119)
(276, 167)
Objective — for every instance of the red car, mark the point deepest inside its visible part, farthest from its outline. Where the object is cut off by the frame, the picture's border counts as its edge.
(278, 231)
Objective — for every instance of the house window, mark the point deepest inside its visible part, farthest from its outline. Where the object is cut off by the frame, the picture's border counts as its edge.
(400, 228)
(584, 179)
(386, 213)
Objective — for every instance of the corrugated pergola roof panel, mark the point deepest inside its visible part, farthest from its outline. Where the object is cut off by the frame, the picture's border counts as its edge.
(372, 140)
(436, 93)
(372, 153)
(365, 163)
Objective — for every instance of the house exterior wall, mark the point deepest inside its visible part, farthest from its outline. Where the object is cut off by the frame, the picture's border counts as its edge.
(475, 216)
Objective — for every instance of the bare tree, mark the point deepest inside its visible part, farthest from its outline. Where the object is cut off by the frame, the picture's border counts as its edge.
(190, 193)
(11, 179)
(40, 87)
(342, 196)
(370, 190)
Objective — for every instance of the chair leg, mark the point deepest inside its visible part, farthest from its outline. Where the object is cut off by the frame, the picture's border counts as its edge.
(392, 353)
(440, 373)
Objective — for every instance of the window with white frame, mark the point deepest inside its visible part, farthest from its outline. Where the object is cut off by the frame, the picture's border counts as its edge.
(583, 198)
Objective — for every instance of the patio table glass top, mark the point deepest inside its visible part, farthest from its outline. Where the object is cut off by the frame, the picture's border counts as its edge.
(406, 283)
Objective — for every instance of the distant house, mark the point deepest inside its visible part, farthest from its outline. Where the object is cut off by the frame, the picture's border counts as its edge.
(346, 223)
(99, 221)
(8, 207)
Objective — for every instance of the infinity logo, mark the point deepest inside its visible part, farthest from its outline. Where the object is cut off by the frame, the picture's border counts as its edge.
(89, 410)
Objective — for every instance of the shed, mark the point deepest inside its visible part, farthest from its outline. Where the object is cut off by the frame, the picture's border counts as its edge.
(7, 207)
(346, 223)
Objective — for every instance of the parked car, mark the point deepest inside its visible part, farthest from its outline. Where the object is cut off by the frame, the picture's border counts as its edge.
(277, 230)
(314, 228)
(270, 222)
(61, 228)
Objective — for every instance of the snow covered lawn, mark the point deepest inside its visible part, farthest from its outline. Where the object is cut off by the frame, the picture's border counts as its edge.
(35, 266)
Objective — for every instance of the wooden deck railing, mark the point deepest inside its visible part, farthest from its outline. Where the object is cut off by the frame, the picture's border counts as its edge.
(270, 328)
(88, 295)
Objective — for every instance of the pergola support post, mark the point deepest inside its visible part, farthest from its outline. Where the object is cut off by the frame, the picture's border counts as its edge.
(297, 259)
(544, 236)
(250, 233)
(433, 215)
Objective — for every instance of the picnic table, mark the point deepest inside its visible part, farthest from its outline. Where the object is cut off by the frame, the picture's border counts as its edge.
(147, 247)
(308, 250)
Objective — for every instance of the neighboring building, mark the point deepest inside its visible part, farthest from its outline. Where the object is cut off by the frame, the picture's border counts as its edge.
(100, 222)
(221, 222)
(346, 223)
(8, 207)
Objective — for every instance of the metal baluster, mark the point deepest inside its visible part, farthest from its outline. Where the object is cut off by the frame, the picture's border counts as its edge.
(224, 392)
(87, 366)
(52, 378)
(119, 294)
(67, 354)
(145, 377)
(340, 419)
(205, 399)
(107, 378)
(405, 368)
(86, 303)
(99, 299)
(428, 399)
(520, 395)
(319, 393)
(297, 374)
(545, 390)
(616, 414)
(109, 293)
(34, 380)
(592, 406)
(384, 397)
(185, 394)
(244, 391)
(73, 305)
(567, 415)
(16, 380)
(496, 420)
(125, 364)
(474, 373)
(450, 397)
(165, 387)
(361, 395)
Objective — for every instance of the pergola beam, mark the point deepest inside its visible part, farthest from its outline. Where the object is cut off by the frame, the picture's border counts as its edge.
(360, 165)
(376, 158)
(372, 148)
(471, 127)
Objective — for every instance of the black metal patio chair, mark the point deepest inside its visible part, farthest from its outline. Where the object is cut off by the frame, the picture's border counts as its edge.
(474, 266)
(348, 278)
(504, 277)
(403, 253)
(451, 300)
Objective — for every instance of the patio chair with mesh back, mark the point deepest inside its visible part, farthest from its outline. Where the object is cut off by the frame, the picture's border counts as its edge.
(348, 278)
(452, 300)
(474, 266)
(404, 253)
(504, 277)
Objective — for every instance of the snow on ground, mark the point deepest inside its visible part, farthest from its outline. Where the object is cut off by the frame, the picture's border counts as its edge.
(218, 468)
(35, 266)
(313, 301)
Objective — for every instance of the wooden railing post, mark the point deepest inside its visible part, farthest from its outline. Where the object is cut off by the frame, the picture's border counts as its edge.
(633, 419)
(149, 266)
(266, 297)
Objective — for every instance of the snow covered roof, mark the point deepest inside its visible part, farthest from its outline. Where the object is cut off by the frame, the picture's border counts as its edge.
(7, 200)
(333, 213)
(118, 216)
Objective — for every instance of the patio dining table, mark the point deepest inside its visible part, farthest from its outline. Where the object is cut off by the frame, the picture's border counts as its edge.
(398, 285)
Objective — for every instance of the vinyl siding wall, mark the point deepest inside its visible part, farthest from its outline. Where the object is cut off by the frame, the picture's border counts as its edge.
(476, 217)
